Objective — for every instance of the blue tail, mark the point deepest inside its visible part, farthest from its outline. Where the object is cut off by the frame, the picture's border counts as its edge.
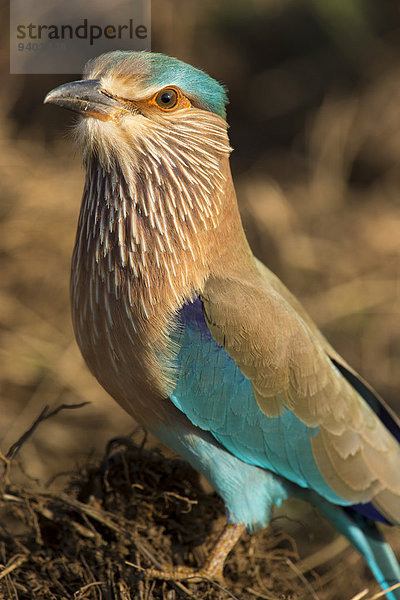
(365, 537)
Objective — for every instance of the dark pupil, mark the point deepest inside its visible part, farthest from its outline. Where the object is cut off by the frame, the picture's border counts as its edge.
(166, 97)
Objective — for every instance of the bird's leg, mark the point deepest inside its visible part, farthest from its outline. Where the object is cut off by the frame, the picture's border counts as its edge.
(214, 564)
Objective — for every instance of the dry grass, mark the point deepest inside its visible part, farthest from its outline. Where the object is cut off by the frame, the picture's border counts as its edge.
(322, 210)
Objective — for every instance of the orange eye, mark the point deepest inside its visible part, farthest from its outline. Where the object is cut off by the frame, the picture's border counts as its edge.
(167, 99)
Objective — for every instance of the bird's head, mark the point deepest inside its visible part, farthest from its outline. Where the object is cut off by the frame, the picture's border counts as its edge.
(141, 102)
(155, 143)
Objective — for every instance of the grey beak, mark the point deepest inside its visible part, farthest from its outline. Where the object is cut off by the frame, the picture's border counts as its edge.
(85, 97)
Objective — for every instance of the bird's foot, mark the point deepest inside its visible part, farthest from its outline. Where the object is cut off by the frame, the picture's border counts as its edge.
(213, 566)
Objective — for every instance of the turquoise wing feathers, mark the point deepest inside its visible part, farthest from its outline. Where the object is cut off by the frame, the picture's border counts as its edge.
(214, 394)
(307, 424)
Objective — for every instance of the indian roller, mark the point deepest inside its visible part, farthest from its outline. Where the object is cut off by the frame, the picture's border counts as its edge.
(195, 337)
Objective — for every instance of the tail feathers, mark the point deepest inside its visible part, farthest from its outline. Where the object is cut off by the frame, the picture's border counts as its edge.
(382, 563)
(366, 538)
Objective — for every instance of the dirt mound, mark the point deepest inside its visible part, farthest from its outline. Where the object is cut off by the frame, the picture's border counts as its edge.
(133, 510)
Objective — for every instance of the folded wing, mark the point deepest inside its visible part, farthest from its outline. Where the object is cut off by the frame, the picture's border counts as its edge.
(292, 368)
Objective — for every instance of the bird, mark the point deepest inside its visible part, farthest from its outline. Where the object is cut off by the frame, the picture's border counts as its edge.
(194, 337)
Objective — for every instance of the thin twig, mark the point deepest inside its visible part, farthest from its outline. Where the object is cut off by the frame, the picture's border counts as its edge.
(14, 563)
(44, 415)
(78, 593)
(396, 586)
(322, 556)
(259, 594)
(303, 579)
(361, 595)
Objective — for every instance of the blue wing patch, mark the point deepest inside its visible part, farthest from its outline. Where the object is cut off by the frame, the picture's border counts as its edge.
(214, 394)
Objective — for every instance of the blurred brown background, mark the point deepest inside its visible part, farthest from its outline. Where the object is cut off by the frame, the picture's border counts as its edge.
(315, 124)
